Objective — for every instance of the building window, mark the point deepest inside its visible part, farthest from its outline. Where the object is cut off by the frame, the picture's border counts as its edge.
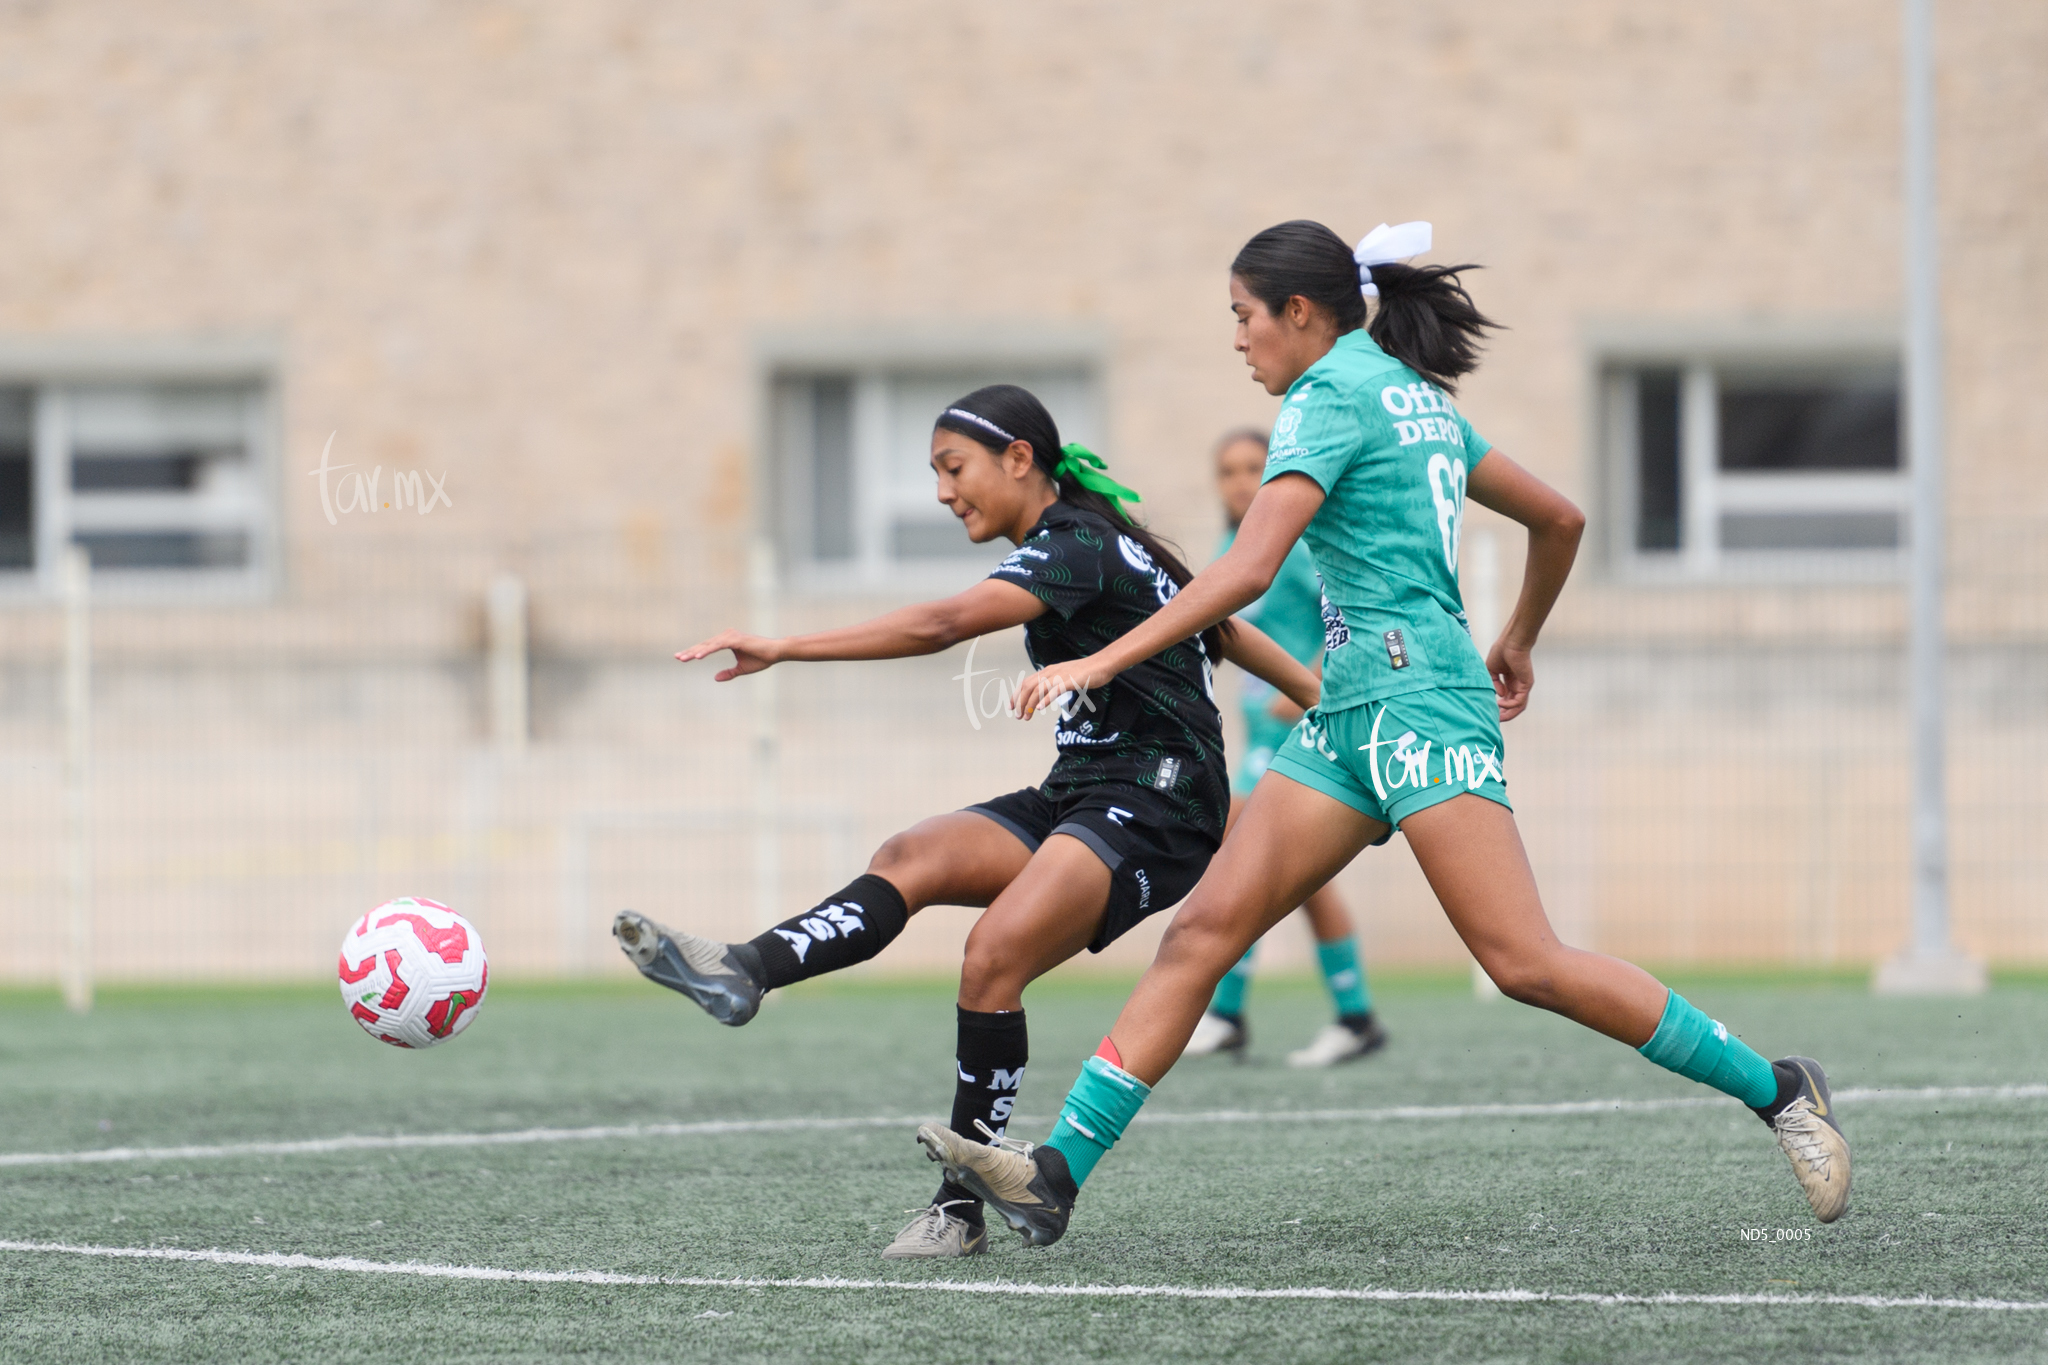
(856, 503)
(1728, 465)
(165, 482)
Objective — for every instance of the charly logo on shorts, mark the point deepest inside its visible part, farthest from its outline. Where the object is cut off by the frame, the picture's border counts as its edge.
(1407, 766)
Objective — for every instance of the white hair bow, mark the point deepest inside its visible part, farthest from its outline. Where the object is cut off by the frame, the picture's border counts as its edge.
(1384, 245)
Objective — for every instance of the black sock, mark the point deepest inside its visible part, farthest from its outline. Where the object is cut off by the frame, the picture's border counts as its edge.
(1789, 1085)
(850, 927)
(1357, 1023)
(988, 1070)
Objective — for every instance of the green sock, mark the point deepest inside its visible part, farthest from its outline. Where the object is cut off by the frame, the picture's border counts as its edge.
(1701, 1049)
(1101, 1105)
(1344, 975)
(1229, 997)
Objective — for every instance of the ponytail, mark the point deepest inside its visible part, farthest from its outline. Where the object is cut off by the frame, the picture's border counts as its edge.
(999, 414)
(1425, 319)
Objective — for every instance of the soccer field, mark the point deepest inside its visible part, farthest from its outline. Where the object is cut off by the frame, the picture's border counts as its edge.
(1446, 1200)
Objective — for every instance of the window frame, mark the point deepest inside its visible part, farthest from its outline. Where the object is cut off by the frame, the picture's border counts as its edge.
(871, 356)
(1699, 352)
(50, 366)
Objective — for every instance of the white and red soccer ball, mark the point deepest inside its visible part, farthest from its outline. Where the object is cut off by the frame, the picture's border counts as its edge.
(413, 972)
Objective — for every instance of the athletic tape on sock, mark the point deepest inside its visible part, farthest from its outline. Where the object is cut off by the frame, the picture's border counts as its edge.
(1104, 1100)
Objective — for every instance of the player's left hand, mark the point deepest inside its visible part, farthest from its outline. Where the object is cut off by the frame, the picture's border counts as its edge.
(1043, 689)
(750, 653)
(1513, 675)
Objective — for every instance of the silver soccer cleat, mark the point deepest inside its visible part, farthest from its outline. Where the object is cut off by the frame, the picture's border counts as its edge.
(701, 968)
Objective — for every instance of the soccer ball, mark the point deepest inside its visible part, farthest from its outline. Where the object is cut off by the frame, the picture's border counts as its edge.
(413, 972)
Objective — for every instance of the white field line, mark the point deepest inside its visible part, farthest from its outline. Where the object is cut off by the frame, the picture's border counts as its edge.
(1009, 1288)
(717, 1127)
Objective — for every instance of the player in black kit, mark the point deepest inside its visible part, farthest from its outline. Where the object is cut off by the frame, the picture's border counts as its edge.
(1123, 826)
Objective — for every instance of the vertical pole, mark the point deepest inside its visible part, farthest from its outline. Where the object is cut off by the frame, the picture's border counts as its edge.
(1482, 614)
(1931, 963)
(77, 970)
(506, 610)
(1699, 447)
(761, 594)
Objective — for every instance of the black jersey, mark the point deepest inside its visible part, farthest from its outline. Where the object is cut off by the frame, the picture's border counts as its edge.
(1154, 726)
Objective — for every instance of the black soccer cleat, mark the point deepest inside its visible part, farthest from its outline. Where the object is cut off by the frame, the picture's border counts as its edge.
(1028, 1185)
(1809, 1133)
(701, 968)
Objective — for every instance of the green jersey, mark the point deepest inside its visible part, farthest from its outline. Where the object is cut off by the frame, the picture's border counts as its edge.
(1391, 456)
(1291, 611)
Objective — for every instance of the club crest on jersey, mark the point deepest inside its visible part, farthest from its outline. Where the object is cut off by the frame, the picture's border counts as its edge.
(1163, 587)
(1287, 423)
(1336, 634)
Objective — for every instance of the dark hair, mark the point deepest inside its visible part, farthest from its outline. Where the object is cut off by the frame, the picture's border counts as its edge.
(1257, 436)
(1425, 319)
(1002, 411)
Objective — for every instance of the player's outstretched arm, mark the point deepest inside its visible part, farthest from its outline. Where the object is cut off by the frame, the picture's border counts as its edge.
(1555, 524)
(1278, 515)
(1254, 651)
(925, 628)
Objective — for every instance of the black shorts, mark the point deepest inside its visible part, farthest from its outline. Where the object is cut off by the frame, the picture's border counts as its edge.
(1153, 860)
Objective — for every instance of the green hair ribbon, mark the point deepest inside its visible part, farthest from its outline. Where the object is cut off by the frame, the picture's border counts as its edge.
(1085, 467)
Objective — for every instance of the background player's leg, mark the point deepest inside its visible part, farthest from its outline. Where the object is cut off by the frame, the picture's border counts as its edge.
(1355, 1033)
(1222, 1028)
(1290, 840)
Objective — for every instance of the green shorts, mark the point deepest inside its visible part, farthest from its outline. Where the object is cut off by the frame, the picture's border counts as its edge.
(1389, 759)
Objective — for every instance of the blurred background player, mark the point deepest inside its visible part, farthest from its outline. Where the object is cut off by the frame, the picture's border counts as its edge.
(1123, 825)
(1291, 612)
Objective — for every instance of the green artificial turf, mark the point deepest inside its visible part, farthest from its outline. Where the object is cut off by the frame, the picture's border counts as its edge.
(1949, 1202)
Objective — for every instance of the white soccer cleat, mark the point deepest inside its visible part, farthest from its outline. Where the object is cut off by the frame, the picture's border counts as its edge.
(937, 1233)
(1810, 1136)
(1215, 1034)
(1339, 1043)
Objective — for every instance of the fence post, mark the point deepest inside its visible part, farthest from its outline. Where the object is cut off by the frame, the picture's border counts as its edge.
(761, 593)
(506, 610)
(77, 957)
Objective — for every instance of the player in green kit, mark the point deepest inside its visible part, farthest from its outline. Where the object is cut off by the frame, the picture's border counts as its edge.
(1371, 465)
(1291, 612)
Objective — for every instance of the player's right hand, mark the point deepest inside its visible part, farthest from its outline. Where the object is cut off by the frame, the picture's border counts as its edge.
(750, 653)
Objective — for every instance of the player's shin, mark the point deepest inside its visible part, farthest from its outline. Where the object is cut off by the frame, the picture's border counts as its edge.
(988, 1071)
(846, 929)
(1104, 1100)
(1702, 1049)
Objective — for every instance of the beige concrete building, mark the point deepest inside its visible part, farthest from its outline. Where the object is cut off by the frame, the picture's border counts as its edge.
(649, 307)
